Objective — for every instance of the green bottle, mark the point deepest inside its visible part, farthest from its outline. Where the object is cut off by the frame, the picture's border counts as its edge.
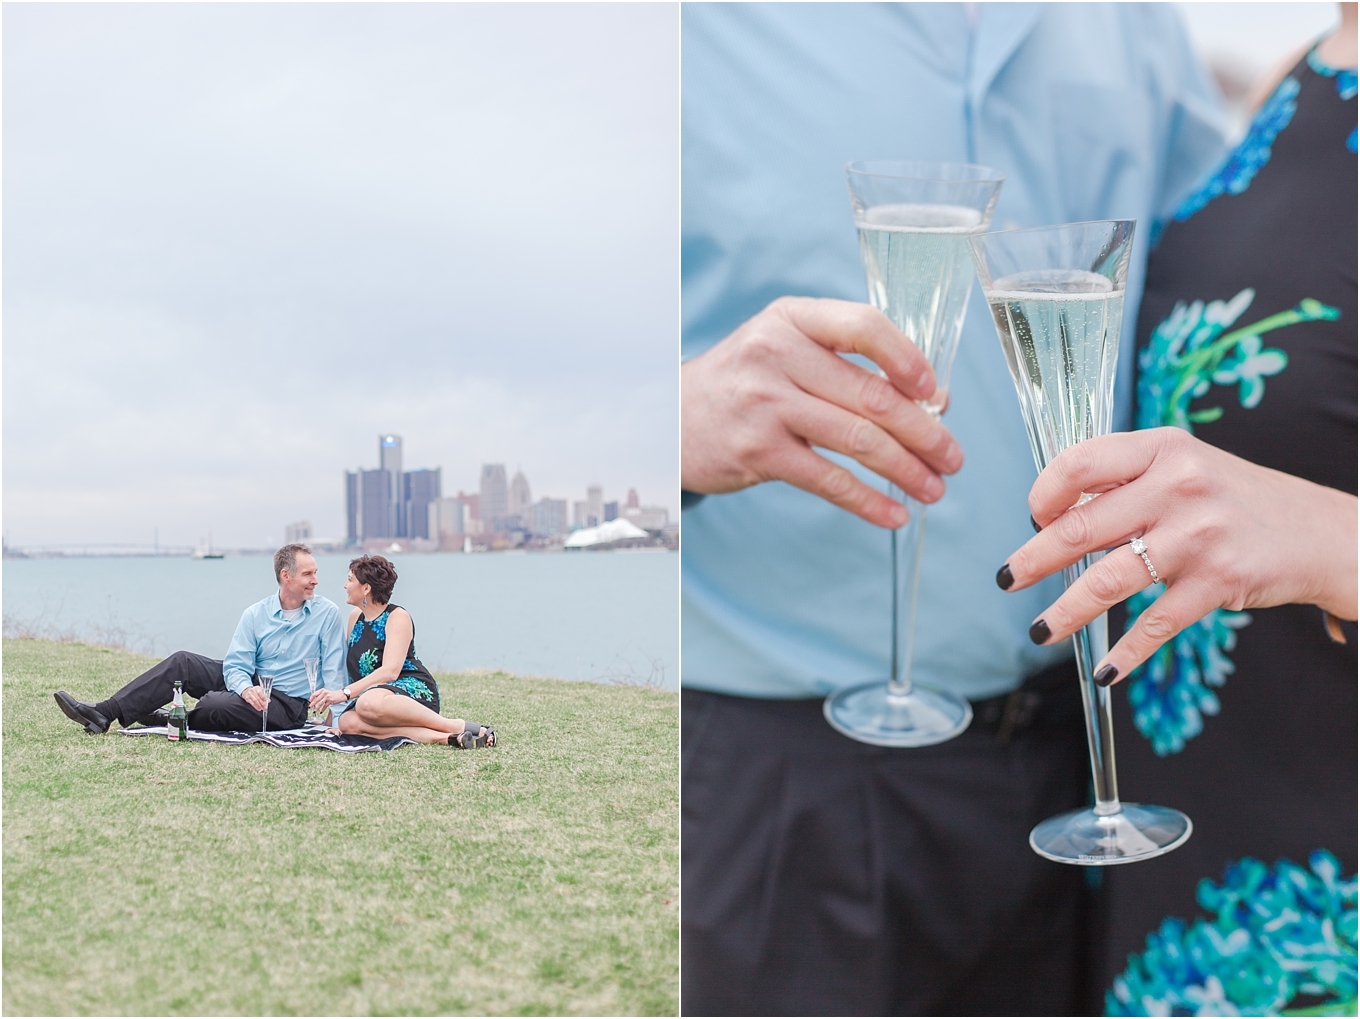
(178, 728)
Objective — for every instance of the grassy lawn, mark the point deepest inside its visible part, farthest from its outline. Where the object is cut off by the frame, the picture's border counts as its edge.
(147, 878)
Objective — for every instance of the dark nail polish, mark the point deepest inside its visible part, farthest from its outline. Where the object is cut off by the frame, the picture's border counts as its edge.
(1106, 676)
(1040, 632)
(1004, 580)
(1034, 523)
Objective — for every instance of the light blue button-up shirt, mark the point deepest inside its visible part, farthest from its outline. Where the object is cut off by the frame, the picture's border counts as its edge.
(1093, 111)
(267, 643)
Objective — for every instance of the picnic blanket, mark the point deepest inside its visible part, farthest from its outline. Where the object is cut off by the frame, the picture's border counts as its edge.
(311, 736)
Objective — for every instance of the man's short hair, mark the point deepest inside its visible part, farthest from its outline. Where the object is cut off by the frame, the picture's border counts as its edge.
(286, 559)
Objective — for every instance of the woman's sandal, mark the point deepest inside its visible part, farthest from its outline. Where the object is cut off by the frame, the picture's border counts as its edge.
(485, 736)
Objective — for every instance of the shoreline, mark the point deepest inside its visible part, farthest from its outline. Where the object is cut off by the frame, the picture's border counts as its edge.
(256, 553)
(469, 673)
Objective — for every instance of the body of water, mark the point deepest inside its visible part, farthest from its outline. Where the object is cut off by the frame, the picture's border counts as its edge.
(609, 617)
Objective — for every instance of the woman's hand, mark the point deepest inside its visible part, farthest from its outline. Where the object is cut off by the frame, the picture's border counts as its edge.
(1221, 532)
(754, 405)
(324, 698)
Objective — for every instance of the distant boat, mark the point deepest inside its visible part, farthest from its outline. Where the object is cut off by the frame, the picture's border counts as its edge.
(203, 552)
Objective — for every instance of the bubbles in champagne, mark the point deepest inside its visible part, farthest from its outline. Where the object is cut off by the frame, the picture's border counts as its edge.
(1059, 330)
(920, 274)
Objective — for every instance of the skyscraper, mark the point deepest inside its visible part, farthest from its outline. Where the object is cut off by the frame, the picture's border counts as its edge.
(419, 489)
(389, 454)
(389, 502)
(446, 520)
(353, 509)
(495, 498)
(548, 517)
(595, 499)
(473, 503)
(377, 505)
(519, 500)
(389, 460)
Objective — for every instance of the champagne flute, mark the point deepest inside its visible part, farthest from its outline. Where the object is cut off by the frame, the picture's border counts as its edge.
(914, 222)
(267, 685)
(313, 667)
(1057, 297)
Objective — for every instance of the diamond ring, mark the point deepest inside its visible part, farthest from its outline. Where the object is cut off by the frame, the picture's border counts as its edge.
(1139, 547)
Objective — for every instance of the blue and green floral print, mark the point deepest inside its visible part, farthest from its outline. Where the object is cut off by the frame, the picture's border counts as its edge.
(1188, 354)
(368, 661)
(1277, 937)
(1245, 161)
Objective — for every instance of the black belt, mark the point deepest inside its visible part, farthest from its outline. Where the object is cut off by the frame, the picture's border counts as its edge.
(1047, 700)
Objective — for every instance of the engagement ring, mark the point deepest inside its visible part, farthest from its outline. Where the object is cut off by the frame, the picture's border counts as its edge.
(1139, 547)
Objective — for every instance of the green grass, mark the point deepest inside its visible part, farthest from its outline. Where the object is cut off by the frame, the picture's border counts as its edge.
(147, 878)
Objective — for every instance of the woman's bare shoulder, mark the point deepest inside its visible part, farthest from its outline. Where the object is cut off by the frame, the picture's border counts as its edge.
(1267, 83)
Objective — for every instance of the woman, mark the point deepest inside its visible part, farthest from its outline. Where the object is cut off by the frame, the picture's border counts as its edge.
(391, 695)
(1241, 493)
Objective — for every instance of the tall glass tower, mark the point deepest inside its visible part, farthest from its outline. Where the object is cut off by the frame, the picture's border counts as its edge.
(389, 461)
(495, 501)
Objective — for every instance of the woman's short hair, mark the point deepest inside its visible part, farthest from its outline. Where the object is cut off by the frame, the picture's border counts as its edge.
(376, 572)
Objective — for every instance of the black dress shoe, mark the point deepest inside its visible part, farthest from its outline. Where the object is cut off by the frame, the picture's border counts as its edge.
(158, 717)
(77, 711)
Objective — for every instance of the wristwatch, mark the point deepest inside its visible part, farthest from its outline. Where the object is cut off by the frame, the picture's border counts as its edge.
(345, 691)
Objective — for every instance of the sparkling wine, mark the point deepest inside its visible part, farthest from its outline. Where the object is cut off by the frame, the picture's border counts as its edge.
(1056, 295)
(1059, 330)
(920, 274)
(916, 224)
(177, 729)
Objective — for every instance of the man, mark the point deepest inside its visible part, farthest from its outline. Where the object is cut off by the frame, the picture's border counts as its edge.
(824, 876)
(274, 638)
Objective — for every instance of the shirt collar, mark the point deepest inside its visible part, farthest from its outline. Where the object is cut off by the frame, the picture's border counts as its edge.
(1000, 30)
(276, 605)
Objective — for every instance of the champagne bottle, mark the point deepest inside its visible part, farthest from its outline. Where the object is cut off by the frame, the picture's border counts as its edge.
(178, 727)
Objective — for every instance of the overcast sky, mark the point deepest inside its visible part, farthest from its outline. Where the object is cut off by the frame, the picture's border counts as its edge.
(240, 240)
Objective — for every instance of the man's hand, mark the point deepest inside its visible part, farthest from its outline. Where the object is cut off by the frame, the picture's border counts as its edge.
(255, 697)
(754, 405)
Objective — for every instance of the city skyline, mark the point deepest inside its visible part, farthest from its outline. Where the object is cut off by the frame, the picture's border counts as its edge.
(242, 239)
(396, 501)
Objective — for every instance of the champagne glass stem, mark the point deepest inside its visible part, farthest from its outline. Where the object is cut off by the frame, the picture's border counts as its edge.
(911, 533)
(1092, 643)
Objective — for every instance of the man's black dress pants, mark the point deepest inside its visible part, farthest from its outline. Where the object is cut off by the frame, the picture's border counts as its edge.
(217, 710)
(821, 876)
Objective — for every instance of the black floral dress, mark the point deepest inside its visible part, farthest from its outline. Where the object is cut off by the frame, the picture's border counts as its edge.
(1247, 720)
(367, 641)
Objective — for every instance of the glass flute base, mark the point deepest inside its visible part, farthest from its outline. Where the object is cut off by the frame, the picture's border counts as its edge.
(1088, 839)
(920, 718)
